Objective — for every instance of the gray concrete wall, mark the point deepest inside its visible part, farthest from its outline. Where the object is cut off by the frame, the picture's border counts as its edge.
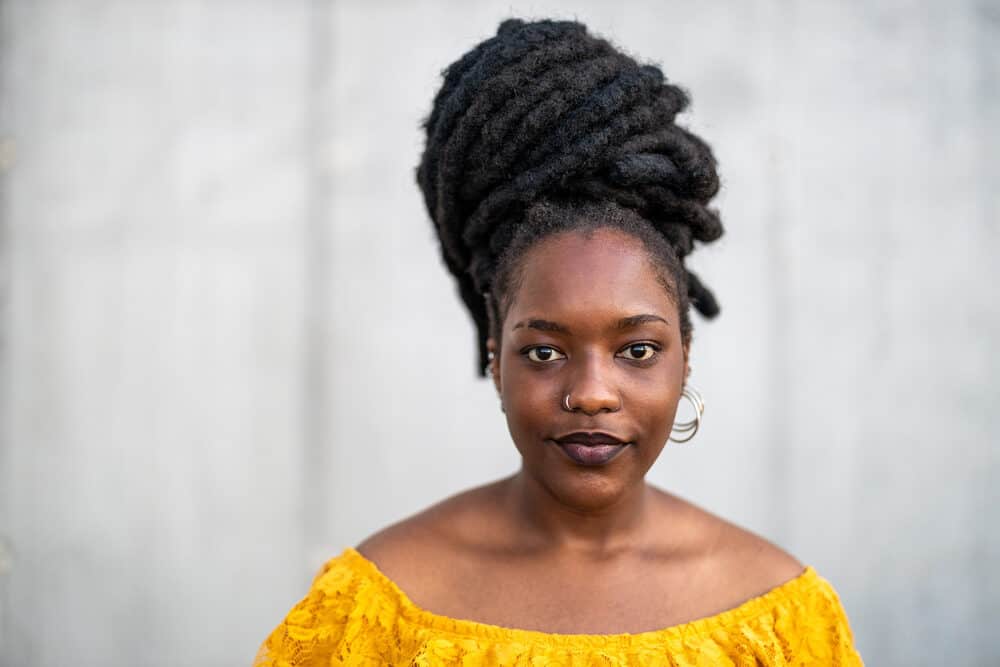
(227, 342)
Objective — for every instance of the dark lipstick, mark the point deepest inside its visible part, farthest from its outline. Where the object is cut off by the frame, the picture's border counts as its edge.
(591, 448)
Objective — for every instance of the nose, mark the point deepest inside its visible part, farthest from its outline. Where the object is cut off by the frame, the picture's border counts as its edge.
(592, 389)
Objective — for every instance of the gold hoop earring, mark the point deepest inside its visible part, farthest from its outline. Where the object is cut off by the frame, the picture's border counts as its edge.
(692, 426)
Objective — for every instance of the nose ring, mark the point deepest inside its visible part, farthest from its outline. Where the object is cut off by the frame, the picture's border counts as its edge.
(566, 403)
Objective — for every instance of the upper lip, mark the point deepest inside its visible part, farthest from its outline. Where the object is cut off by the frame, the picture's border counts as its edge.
(591, 438)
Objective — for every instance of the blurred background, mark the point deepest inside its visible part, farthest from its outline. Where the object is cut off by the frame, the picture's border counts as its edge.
(227, 342)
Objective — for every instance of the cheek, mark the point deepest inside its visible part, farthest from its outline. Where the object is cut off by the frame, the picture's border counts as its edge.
(531, 403)
(528, 397)
(655, 405)
(655, 398)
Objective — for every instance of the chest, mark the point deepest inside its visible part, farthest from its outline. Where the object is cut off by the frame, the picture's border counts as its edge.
(574, 598)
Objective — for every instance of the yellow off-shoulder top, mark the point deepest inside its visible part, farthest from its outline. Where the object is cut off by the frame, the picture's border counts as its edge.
(355, 615)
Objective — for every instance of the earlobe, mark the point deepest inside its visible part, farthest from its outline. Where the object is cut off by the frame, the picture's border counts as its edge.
(494, 364)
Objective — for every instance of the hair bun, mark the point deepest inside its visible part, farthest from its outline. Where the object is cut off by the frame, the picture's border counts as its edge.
(544, 109)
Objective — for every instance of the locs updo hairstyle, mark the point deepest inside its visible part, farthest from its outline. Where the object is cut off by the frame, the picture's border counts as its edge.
(545, 128)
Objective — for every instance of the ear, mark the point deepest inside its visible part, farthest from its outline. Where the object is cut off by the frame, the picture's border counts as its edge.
(491, 347)
(687, 366)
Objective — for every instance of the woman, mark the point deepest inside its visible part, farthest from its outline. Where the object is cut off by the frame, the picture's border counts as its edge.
(566, 199)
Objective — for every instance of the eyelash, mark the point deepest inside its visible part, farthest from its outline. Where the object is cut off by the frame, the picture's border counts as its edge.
(656, 351)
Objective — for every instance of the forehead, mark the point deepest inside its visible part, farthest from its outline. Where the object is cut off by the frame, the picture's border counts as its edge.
(601, 273)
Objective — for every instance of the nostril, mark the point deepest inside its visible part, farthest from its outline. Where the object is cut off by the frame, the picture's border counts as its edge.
(592, 405)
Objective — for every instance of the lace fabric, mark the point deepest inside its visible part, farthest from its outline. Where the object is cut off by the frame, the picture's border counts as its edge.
(354, 615)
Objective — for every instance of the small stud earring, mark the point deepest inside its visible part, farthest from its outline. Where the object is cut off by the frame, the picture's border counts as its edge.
(489, 371)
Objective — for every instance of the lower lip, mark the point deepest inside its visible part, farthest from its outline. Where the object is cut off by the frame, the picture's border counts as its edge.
(590, 455)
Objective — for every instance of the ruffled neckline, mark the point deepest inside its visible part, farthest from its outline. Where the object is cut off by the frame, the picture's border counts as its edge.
(764, 603)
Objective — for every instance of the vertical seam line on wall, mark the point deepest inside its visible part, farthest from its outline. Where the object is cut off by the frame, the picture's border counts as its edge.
(780, 389)
(316, 307)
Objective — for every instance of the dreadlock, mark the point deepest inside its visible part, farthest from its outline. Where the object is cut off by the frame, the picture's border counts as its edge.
(543, 128)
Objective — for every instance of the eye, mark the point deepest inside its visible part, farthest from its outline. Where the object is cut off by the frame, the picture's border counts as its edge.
(544, 353)
(640, 351)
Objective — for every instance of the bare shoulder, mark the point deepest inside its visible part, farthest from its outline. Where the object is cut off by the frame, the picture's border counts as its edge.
(411, 551)
(756, 560)
(739, 563)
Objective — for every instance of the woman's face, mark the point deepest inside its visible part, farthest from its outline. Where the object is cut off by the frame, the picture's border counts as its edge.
(590, 320)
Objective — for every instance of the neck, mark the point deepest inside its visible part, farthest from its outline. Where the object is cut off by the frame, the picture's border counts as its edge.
(553, 523)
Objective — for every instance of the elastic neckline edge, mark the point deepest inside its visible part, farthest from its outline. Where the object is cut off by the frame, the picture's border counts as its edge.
(747, 610)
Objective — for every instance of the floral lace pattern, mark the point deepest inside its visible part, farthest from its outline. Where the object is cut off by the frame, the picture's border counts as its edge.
(355, 616)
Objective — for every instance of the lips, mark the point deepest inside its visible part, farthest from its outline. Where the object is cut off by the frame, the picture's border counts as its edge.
(591, 438)
(591, 448)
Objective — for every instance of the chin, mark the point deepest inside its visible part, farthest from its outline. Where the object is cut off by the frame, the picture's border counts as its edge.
(586, 487)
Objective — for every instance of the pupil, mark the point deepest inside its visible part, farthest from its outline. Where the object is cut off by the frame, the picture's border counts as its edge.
(638, 350)
(544, 353)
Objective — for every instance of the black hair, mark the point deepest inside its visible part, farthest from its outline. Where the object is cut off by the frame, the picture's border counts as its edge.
(546, 128)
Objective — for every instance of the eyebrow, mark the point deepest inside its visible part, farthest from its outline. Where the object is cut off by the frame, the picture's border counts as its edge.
(623, 323)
